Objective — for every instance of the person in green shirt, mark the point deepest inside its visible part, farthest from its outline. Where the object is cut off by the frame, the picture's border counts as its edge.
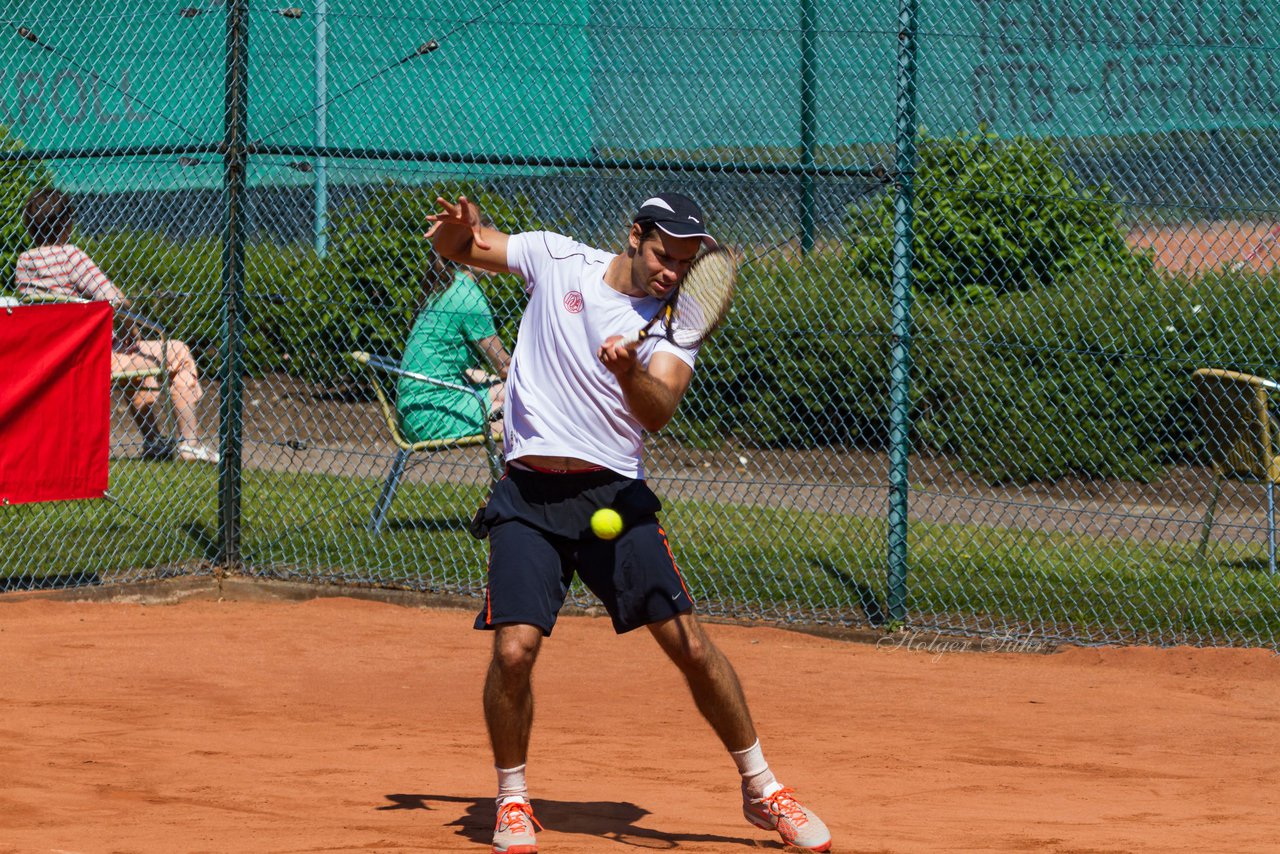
(452, 331)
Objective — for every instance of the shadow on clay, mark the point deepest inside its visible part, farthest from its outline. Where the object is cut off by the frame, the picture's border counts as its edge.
(604, 819)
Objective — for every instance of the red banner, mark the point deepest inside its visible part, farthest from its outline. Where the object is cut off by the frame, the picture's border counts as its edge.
(55, 397)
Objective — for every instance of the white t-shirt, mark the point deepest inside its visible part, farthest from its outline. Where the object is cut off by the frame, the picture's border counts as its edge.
(561, 400)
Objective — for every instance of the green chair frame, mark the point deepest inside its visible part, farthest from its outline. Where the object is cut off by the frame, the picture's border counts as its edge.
(1241, 440)
(382, 369)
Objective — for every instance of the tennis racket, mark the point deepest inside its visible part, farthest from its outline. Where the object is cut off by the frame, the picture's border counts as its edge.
(694, 309)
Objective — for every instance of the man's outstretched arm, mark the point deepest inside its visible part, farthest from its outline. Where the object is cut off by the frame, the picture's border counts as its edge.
(458, 234)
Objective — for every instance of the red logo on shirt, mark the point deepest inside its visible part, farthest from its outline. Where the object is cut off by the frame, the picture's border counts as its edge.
(573, 302)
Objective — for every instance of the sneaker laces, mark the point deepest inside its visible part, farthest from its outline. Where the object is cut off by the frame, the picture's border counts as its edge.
(513, 814)
(784, 803)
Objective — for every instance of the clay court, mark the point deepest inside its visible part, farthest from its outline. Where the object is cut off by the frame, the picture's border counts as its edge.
(1196, 247)
(257, 723)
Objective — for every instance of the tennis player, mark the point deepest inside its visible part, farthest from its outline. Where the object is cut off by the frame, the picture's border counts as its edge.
(578, 404)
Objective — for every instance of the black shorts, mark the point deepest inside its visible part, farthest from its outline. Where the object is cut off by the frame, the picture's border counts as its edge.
(539, 528)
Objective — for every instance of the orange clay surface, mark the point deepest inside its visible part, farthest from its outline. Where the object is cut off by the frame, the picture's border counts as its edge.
(347, 725)
(1198, 246)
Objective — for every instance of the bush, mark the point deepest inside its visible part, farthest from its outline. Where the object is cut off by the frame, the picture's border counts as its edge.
(1090, 379)
(801, 362)
(1085, 375)
(1078, 380)
(364, 295)
(995, 217)
(17, 180)
(178, 283)
(302, 313)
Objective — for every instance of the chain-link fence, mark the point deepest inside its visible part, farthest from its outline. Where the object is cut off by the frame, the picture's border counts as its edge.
(988, 246)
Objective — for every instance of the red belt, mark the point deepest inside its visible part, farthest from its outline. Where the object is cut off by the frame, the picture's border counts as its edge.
(520, 464)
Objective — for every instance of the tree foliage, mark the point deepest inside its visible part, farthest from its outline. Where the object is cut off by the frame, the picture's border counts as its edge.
(17, 180)
(995, 216)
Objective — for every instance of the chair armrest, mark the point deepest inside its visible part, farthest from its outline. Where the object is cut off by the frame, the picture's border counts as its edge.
(38, 295)
(144, 322)
(389, 366)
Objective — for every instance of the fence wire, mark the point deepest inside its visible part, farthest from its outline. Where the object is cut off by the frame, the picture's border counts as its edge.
(1089, 197)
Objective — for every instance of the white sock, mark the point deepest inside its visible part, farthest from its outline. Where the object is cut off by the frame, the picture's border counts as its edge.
(512, 785)
(756, 776)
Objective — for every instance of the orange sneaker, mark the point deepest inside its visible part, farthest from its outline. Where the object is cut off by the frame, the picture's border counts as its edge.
(794, 823)
(514, 831)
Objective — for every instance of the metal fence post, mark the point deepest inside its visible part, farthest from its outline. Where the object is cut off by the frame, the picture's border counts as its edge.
(808, 121)
(900, 366)
(235, 161)
(321, 224)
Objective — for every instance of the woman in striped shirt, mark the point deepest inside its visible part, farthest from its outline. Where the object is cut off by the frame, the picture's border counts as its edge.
(54, 267)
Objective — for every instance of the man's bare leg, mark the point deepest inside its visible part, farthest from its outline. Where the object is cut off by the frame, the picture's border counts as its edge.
(508, 712)
(508, 692)
(712, 680)
(719, 697)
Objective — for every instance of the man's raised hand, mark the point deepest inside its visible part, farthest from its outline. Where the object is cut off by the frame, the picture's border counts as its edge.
(463, 214)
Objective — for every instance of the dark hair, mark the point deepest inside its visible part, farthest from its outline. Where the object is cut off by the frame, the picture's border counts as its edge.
(647, 228)
(48, 216)
(437, 275)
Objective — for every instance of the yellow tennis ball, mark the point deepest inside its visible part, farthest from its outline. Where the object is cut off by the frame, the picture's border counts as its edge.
(606, 523)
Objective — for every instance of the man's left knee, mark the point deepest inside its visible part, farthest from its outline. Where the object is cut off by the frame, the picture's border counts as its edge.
(690, 648)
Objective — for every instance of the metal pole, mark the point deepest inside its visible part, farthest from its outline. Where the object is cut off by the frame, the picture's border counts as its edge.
(1271, 527)
(235, 162)
(808, 120)
(322, 130)
(903, 261)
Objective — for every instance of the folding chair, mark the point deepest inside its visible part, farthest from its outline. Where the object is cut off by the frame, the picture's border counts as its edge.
(122, 378)
(35, 298)
(382, 370)
(1241, 440)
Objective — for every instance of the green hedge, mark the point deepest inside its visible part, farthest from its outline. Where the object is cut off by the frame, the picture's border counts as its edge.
(1086, 374)
(17, 181)
(801, 361)
(365, 294)
(301, 312)
(1040, 344)
(1089, 379)
(998, 216)
(179, 283)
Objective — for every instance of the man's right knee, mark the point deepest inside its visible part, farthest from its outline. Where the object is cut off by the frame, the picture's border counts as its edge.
(515, 648)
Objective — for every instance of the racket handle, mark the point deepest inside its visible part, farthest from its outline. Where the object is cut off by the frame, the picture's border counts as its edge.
(631, 338)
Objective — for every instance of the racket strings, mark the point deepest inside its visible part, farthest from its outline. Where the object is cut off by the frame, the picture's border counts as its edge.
(703, 299)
